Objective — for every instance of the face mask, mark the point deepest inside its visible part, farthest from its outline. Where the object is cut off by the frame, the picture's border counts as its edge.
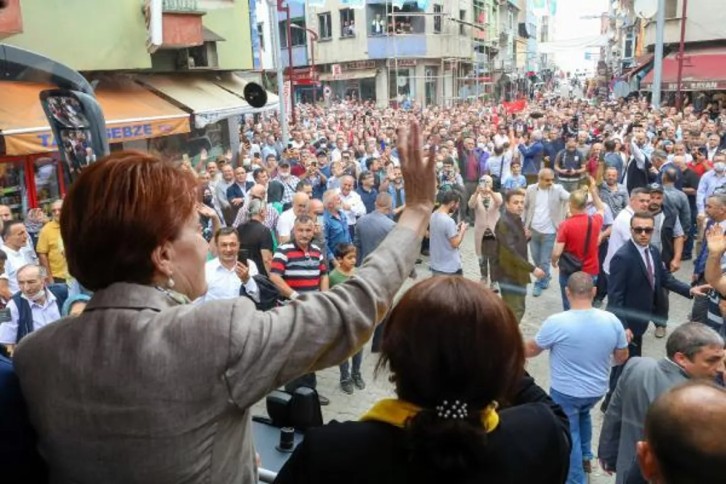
(37, 296)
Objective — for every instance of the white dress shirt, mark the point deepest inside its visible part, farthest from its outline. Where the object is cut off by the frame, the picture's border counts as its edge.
(357, 207)
(16, 260)
(43, 315)
(619, 235)
(285, 223)
(223, 283)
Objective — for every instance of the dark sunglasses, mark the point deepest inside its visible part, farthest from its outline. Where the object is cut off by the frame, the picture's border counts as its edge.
(642, 230)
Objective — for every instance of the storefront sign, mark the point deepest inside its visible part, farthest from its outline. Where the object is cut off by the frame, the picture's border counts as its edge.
(302, 75)
(43, 141)
(358, 65)
(691, 86)
(402, 62)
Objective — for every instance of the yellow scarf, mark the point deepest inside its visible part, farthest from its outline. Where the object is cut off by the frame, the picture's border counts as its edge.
(397, 412)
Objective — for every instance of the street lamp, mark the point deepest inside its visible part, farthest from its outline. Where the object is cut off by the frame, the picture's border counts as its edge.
(275, 27)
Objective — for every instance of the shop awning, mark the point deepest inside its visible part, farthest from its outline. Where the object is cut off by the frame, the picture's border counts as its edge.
(207, 101)
(348, 75)
(131, 113)
(641, 62)
(236, 85)
(703, 70)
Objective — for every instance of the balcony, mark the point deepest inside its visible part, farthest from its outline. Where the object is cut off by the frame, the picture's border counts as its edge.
(397, 46)
(11, 21)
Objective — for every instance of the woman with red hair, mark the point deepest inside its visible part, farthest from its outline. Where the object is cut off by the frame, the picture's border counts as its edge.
(144, 387)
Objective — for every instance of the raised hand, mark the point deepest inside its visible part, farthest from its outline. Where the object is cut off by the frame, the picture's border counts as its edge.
(716, 240)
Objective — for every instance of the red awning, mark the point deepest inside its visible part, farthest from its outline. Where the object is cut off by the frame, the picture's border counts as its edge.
(703, 70)
(640, 63)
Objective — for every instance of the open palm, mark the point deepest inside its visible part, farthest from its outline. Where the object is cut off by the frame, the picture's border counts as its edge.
(716, 239)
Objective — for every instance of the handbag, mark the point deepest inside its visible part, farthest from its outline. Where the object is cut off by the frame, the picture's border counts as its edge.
(569, 263)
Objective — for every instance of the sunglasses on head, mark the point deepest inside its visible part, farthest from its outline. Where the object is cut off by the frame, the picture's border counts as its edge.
(642, 230)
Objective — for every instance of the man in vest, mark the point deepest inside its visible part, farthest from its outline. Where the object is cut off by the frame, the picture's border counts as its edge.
(35, 306)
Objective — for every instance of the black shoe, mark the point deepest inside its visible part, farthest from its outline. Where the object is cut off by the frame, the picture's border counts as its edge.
(323, 400)
(347, 386)
(358, 381)
(419, 261)
(686, 257)
(425, 252)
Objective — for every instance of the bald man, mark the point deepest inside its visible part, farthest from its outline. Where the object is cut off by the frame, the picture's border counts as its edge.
(682, 445)
(287, 218)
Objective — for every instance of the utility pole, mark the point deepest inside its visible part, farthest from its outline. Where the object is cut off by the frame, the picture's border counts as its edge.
(681, 53)
(277, 49)
(658, 60)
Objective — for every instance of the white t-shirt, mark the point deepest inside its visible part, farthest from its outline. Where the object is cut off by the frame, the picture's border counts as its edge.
(16, 260)
(619, 235)
(285, 223)
(542, 221)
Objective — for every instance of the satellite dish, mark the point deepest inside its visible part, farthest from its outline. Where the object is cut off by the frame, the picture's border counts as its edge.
(645, 8)
(255, 95)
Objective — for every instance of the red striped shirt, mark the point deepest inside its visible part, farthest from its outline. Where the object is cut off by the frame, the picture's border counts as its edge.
(301, 270)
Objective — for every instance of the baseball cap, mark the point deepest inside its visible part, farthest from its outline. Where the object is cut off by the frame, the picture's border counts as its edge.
(655, 188)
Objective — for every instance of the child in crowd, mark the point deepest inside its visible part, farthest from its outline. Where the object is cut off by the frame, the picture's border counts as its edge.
(346, 256)
(516, 179)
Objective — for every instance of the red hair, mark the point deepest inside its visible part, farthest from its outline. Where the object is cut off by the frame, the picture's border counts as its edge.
(118, 211)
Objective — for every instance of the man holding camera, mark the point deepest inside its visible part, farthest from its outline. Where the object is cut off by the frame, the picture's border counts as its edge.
(227, 273)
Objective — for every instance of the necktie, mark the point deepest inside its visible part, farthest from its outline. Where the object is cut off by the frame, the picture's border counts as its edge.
(649, 267)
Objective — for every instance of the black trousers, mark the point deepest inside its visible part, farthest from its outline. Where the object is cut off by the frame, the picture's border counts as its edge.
(308, 380)
(602, 278)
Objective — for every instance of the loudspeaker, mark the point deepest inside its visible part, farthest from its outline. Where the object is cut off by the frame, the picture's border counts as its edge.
(255, 95)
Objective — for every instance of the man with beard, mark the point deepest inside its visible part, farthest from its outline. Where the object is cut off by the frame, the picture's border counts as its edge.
(514, 268)
(570, 165)
(446, 237)
(50, 247)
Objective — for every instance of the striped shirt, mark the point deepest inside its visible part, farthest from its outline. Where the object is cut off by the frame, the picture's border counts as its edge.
(301, 270)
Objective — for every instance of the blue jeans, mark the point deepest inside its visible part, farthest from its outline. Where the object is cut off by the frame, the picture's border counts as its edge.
(345, 366)
(563, 284)
(540, 246)
(578, 413)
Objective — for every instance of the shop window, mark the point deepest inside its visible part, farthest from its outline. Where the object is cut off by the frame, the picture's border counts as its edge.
(299, 36)
(347, 22)
(47, 187)
(401, 86)
(325, 26)
(437, 18)
(13, 189)
(261, 34)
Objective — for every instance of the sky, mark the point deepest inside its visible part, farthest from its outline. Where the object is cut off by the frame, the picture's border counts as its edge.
(569, 25)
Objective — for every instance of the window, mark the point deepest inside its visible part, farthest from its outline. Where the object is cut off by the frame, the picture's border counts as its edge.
(378, 25)
(510, 18)
(261, 35)
(347, 22)
(325, 25)
(406, 24)
(437, 18)
(671, 8)
(462, 17)
(299, 35)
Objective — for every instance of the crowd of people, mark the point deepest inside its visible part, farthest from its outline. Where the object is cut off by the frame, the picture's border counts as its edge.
(303, 246)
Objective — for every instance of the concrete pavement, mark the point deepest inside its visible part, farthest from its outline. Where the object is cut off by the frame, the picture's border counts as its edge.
(351, 407)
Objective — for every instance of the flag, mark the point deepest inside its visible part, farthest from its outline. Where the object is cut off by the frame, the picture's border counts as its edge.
(553, 7)
(514, 106)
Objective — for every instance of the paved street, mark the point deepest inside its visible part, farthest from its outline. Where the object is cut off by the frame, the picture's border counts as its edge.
(351, 407)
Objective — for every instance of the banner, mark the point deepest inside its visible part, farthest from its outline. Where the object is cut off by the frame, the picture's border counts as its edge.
(43, 141)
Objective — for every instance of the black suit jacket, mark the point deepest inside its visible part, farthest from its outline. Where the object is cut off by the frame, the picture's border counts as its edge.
(630, 296)
(234, 191)
(530, 445)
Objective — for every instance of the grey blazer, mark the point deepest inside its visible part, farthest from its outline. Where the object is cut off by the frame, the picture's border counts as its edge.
(142, 389)
(642, 381)
(558, 198)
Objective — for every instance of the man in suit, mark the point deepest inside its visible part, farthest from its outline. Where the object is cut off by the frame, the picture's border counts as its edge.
(693, 351)
(673, 430)
(237, 191)
(514, 268)
(637, 275)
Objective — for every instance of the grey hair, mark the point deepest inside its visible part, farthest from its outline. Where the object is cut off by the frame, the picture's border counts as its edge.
(41, 270)
(537, 135)
(689, 338)
(255, 207)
